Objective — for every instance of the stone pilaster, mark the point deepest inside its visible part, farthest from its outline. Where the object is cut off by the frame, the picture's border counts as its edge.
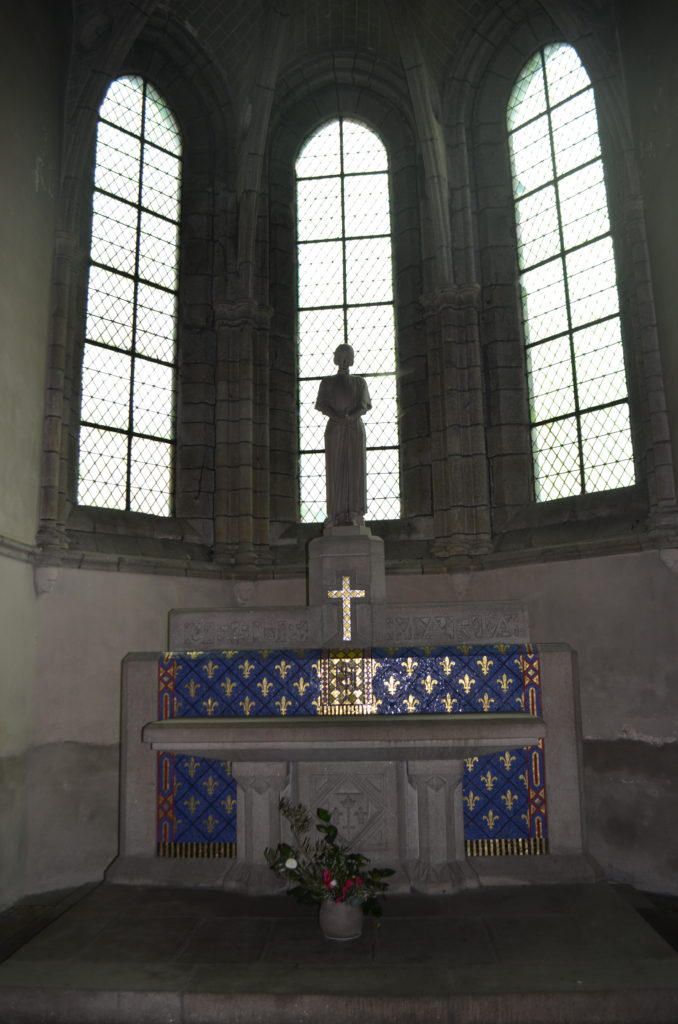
(241, 461)
(461, 500)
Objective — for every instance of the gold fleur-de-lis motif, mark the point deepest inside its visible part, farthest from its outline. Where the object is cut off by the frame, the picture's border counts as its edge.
(505, 682)
(317, 704)
(523, 779)
(210, 705)
(507, 759)
(210, 668)
(283, 705)
(429, 683)
(410, 664)
(392, 684)
(485, 701)
(520, 701)
(301, 686)
(465, 648)
(447, 664)
(229, 804)
(265, 685)
(229, 654)
(210, 784)
(193, 687)
(283, 668)
(490, 819)
(247, 668)
(448, 702)
(526, 819)
(471, 799)
(488, 780)
(192, 767)
(502, 648)
(192, 804)
(484, 664)
(470, 763)
(194, 655)
(228, 685)
(177, 705)
(247, 705)
(210, 824)
(509, 799)
(411, 704)
(466, 683)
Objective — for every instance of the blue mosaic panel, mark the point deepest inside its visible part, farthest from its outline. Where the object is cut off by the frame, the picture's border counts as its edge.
(504, 793)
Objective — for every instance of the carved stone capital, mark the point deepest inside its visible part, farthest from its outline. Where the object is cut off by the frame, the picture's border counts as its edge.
(242, 312)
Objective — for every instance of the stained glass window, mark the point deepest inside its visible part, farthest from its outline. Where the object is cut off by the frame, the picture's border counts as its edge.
(345, 294)
(128, 369)
(581, 438)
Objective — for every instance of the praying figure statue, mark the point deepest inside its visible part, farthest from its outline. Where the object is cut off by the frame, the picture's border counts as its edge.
(343, 399)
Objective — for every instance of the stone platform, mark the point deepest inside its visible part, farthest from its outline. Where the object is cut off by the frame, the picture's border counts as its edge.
(561, 954)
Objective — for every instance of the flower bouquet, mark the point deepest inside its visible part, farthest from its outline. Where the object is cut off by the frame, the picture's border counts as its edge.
(322, 870)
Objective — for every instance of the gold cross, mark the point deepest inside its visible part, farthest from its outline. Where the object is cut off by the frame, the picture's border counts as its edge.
(345, 595)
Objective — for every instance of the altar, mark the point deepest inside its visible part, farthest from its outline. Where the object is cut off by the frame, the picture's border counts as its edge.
(387, 715)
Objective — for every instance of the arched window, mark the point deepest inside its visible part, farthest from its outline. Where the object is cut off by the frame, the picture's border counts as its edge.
(581, 439)
(345, 294)
(128, 368)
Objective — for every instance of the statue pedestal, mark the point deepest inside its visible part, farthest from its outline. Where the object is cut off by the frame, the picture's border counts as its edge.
(346, 552)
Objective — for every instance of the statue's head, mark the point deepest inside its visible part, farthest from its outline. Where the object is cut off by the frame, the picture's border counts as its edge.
(343, 356)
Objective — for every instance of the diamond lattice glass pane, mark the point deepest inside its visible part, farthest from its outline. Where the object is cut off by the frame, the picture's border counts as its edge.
(565, 73)
(592, 282)
(117, 162)
(312, 486)
(531, 156)
(123, 104)
(114, 233)
(607, 448)
(150, 476)
(320, 331)
(363, 150)
(543, 291)
(321, 154)
(371, 332)
(369, 277)
(153, 399)
(158, 251)
(311, 422)
(575, 132)
(599, 356)
(102, 468)
(556, 460)
(160, 186)
(160, 127)
(528, 98)
(156, 322)
(550, 382)
(105, 387)
(537, 227)
(367, 205)
(583, 205)
(110, 308)
(381, 421)
(321, 274)
(383, 484)
(319, 209)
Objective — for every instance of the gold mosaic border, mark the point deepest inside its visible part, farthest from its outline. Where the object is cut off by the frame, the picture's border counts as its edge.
(203, 851)
(531, 847)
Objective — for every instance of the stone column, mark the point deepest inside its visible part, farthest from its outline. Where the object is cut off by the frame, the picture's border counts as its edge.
(441, 865)
(260, 785)
(461, 498)
(241, 500)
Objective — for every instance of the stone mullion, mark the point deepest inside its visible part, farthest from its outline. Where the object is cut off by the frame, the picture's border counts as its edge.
(239, 439)
(460, 478)
(261, 447)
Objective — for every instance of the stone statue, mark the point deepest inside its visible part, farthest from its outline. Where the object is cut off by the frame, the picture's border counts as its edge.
(344, 398)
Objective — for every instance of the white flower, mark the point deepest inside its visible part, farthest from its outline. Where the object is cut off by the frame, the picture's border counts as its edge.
(333, 884)
(291, 864)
